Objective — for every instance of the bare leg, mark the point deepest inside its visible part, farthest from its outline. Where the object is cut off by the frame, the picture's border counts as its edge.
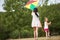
(36, 33)
(46, 34)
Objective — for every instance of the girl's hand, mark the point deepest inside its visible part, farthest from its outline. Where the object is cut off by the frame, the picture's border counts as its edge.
(50, 22)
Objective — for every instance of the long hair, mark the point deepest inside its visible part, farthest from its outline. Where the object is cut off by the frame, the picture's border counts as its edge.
(36, 10)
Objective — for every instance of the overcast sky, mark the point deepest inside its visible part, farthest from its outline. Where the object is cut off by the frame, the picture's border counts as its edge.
(50, 1)
(1, 2)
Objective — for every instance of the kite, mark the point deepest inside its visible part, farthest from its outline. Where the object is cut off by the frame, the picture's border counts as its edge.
(32, 4)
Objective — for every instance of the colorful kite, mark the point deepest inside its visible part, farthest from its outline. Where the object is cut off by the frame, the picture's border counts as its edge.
(32, 4)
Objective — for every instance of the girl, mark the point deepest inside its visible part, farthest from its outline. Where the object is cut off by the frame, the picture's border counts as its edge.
(46, 24)
(35, 22)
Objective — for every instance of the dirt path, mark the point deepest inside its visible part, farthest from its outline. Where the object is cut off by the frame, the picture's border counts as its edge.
(40, 38)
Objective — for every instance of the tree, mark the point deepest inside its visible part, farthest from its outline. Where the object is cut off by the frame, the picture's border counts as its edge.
(15, 20)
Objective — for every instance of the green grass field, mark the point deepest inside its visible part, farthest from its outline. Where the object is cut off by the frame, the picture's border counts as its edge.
(40, 38)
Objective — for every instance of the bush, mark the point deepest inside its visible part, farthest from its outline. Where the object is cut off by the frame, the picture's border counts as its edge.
(14, 34)
(26, 34)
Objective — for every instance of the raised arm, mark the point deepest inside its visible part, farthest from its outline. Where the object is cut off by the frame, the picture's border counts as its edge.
(49, 23)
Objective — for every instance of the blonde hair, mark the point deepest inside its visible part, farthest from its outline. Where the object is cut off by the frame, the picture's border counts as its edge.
(46, 19)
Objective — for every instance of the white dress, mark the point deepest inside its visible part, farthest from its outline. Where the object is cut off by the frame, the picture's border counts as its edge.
(35, 20)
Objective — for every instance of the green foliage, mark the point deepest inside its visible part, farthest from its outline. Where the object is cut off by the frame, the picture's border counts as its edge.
(26, 33)
(14, 34)
(41, 33)
(17, 24)
(52, 13)
(16, 5)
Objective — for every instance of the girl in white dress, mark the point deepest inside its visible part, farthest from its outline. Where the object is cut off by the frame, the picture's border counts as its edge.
(35, 22)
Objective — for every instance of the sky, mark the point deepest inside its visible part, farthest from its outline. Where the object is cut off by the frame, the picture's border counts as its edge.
(49, 2)
(53, 1)
(1, 8)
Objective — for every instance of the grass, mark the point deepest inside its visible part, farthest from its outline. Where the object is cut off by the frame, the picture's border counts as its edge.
(41, 38)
